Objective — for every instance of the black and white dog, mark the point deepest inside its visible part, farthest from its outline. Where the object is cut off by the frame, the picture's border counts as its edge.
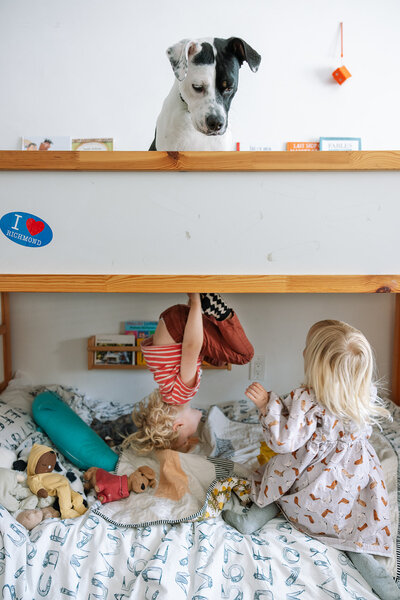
(194, 115)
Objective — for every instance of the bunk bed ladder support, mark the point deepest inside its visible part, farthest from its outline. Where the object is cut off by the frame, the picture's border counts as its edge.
(5, 334)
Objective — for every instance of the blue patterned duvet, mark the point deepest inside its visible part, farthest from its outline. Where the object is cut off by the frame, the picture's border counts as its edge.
(89, 558)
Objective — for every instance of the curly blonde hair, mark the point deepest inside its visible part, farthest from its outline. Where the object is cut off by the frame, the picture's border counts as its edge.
(339, 366)
(154, 420)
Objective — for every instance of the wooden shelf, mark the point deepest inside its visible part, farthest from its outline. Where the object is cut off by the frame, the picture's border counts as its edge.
(262, 284)
(92, 349)
(379, 160)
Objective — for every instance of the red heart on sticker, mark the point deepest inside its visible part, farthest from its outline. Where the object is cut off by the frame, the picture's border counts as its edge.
(34, 227)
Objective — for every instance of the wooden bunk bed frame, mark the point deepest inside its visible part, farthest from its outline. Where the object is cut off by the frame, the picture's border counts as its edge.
(199, 161)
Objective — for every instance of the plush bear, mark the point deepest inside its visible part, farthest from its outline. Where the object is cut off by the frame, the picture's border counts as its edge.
(111, 487)
(141, 479)
(44, 482)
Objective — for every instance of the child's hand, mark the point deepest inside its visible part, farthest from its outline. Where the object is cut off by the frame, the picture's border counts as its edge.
(258, 395)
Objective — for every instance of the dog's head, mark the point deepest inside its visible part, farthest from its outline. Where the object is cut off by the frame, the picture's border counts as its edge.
(208, 74)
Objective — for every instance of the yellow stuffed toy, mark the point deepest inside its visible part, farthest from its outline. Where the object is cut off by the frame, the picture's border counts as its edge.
(265, 454)
(43, 482)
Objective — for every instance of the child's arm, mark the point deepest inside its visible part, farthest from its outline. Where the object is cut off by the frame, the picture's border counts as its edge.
(287, 424)
(192, 342)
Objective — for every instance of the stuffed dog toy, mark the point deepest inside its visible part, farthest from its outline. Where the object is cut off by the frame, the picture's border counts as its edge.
(111, 487)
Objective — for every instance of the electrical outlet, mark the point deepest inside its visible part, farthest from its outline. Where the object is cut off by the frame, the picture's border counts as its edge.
(257, 368)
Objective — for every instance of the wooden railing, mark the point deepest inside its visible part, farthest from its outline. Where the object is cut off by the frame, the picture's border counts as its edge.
(199, 161)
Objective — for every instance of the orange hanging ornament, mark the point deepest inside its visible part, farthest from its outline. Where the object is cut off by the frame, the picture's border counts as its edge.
(341, 74)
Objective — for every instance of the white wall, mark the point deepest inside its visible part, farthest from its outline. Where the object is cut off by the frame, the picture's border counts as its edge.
(205, 223)
(98, 68)
(50, 331)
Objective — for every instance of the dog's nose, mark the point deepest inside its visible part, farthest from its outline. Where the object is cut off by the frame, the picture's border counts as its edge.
(214, 123)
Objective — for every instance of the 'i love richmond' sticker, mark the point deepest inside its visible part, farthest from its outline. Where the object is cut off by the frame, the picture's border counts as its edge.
(26, 229)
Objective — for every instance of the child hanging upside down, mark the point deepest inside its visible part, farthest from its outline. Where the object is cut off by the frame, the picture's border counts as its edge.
(206, 329)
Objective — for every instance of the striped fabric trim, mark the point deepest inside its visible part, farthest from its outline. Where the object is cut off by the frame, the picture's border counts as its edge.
(223, 467)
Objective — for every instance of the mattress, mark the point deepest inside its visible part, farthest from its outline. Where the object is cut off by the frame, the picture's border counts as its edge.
(94, 556)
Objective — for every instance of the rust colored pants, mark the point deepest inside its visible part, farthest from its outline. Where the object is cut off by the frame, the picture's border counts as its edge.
(224, 341)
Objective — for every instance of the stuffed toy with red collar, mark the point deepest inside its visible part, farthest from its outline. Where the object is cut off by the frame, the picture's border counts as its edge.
(111, 487)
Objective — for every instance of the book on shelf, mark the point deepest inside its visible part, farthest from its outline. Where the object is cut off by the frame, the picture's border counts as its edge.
(37, 142)
(141, 330)
(105, 144)
(140, 325)
(253, 146)
(117, 356)
(341, 144)
(302, 146)
(141, 336)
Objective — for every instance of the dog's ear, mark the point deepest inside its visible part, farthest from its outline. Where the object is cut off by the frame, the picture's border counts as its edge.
(178, 56)
(244, 52)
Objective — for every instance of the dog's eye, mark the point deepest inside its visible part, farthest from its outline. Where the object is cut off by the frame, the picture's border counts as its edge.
(198, 88)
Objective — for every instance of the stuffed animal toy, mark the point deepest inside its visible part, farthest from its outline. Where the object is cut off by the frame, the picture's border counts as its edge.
(265, 454)
(111, 487)
(43, 482)
(14, 496)
(18, 499)
(7, 457)
(30, 518)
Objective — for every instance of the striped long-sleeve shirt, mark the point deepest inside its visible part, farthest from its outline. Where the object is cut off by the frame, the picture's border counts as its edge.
(165, 363)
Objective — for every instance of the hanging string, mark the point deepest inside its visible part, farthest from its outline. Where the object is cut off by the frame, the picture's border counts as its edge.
(341, 39)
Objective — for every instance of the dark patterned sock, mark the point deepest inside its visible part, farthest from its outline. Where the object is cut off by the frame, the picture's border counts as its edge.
(213, 305)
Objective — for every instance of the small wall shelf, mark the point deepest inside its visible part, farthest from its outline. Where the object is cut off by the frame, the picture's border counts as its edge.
(368, 160)
(92, 349)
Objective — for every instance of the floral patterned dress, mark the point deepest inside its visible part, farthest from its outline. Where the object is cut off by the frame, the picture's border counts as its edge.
(326, 477)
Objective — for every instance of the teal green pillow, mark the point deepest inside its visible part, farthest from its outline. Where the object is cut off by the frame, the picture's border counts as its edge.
(71, 436)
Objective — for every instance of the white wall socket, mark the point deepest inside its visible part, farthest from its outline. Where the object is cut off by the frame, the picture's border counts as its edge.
(257, 368)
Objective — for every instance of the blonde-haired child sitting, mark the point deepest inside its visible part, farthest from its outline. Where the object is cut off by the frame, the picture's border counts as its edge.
(206, 329)
(326, 477)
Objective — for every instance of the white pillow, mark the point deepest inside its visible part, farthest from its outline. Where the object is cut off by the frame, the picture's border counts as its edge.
(19, 393)
(15, 426)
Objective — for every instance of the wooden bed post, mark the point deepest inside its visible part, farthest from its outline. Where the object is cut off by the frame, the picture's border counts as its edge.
(396, 355)
(5, 334)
